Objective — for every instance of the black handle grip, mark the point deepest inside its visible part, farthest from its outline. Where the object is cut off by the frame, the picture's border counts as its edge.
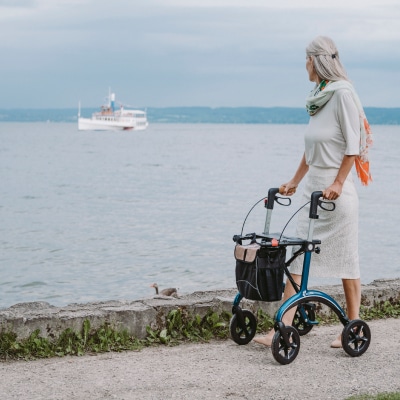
(271, 198)
(314, 204)
(327, 205)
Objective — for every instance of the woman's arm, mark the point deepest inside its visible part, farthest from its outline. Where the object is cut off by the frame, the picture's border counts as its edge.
(335, 190)
(289, 188)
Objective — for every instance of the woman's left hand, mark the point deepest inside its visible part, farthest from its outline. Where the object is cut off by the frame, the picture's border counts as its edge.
(333, 192)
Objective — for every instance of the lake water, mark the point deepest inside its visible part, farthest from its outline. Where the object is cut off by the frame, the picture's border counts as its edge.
(92, 216)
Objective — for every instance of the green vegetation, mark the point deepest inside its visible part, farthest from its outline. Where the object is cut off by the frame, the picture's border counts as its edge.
(68, 343)
(381, 396)
(177, 326)
(385, 309)
(182, 326)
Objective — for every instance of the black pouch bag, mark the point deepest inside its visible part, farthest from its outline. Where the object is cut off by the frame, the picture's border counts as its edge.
(259, 271)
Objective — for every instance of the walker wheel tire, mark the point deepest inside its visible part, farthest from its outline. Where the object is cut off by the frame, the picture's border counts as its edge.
(298, 321)
(356, 338)
(283, 353)
(243, 334)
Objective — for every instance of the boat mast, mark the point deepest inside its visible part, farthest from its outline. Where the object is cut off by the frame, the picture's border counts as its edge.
(112, 101)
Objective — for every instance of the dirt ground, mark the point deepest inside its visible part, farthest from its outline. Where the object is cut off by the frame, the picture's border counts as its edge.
(215, 370)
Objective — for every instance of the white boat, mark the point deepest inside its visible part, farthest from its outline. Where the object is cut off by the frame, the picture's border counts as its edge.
(110, 119)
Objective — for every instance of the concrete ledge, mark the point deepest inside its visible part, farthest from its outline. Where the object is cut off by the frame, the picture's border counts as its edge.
(24, 318)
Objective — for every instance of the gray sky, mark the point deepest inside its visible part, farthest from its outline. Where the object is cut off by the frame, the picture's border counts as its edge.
(160, 53)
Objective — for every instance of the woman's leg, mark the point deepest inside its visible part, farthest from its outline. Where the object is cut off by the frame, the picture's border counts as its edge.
(352, 293)
(287, 318)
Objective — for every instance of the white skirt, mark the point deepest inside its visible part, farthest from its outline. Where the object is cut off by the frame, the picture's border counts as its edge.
(337, 230)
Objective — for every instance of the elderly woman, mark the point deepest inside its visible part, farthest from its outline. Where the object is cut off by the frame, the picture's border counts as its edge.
(336, 138)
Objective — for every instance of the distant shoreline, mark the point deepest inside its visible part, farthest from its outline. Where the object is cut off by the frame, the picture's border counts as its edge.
(218, 115)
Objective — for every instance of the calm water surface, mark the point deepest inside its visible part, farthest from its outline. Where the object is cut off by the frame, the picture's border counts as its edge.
(89, 216)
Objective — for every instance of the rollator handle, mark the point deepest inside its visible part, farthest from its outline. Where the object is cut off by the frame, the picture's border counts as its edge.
(271, 198)
(314, 204)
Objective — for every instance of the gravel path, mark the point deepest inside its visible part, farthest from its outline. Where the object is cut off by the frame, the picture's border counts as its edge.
(215, 370)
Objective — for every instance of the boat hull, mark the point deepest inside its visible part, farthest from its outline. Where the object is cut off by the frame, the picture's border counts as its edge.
(87, 124)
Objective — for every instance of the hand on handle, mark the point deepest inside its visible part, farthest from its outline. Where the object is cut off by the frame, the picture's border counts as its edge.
(333, 192)
(288, 189)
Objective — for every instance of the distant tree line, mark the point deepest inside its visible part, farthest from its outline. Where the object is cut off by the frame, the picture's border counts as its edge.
(227, 115)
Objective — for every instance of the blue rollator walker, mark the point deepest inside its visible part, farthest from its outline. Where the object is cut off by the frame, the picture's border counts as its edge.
(260, 268)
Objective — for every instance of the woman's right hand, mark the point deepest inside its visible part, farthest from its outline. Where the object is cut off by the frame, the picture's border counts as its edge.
(288, 189)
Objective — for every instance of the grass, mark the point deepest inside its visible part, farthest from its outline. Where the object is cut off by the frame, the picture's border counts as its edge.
(380, 396)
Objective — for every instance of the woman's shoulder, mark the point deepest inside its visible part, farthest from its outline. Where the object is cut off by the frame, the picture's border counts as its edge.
(343, 96)
(343, 88)
(344, 102)
(343, 92)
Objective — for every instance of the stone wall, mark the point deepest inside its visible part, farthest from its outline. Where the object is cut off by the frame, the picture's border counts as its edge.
(134, 316)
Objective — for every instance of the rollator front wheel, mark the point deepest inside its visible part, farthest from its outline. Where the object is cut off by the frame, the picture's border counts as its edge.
(286, 353)
(356, 338)
(298, 321)
(243, 333)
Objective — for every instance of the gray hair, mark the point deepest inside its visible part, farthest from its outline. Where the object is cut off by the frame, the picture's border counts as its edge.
(325, 57)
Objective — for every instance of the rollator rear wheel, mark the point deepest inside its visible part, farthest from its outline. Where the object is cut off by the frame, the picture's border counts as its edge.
(356, 338)
(243, 334)
(298, 321)
(283, 353)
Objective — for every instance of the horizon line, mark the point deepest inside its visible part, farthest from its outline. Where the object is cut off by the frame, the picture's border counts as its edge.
(210, 107)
